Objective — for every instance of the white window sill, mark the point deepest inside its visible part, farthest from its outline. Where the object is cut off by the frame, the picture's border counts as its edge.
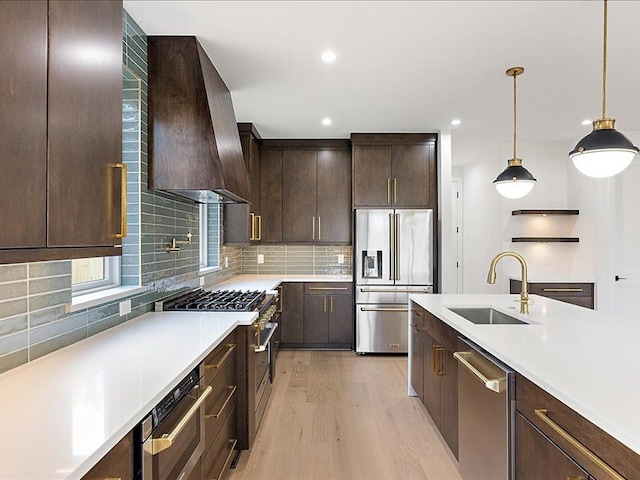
(80, 302)
(208, 270)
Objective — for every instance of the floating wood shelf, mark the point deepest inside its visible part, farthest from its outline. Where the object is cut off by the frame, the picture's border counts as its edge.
(546, 239)
(545, 212)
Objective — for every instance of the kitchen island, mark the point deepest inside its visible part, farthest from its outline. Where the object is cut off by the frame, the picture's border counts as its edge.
(581, 357)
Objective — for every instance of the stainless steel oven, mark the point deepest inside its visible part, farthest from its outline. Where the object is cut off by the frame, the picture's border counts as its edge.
(171, 436)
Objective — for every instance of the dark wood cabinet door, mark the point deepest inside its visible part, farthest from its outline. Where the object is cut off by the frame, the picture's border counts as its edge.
(117, 463)
(431, 379)
(316, 319)
(85, 123)
(536, 457)
(271, 195)
(372, 175)
(254, 174)
(23, 116)
(412, 167)
(334, 196)
(292, 313)
(341, 319)
(417, 362)
(299, 222)
(449, 400)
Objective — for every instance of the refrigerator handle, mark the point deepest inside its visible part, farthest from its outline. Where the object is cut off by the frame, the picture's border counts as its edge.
(392, 247)
(397, 243)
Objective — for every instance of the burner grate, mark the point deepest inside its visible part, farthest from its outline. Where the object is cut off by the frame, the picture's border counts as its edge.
(218, 300)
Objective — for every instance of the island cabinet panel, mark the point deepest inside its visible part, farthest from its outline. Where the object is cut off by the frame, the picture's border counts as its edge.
(433, 344)
(292, 299)
(394, 170)
(601, 455)
(271, 195)
(61, 188)
(118, 463)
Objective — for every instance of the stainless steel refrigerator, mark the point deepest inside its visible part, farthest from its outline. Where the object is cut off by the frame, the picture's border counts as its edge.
(393, 258)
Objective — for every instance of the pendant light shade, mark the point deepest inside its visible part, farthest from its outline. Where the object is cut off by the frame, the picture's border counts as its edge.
(605, 151)
(515, 181)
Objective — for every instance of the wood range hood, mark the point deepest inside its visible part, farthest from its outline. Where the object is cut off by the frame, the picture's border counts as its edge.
(194, 145)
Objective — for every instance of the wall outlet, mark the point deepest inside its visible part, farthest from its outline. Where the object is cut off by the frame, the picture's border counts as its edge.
(341, 259)
(260, 258)
(202, 281)
(125, 307)
(226, 262)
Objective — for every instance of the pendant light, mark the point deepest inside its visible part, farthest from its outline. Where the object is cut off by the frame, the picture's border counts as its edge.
(515, 181)
(605, 151)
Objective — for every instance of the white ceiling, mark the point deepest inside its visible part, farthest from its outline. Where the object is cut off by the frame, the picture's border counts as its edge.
(414, 66)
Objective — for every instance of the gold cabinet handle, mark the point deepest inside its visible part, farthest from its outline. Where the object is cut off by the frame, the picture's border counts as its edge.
(434, 358)
(324, 304)
(331, 304)
(259, 228)
(328, 288)
(164, 442)
(313, 227)
(123, 200)
(224, 405)
(280, 297)
(438, 360)
(576, 290)
(388, 190)
(383, 309)
(319, 229)
(252, 216)
(233, 443)
(543, 415)
(395, 190)
(495, 384)
(230, 348)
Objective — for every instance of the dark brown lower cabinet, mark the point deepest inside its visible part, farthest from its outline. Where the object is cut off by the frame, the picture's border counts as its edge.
(118, 463)
(538, 458)
(328, 315)
(417, 358)
(292, 300)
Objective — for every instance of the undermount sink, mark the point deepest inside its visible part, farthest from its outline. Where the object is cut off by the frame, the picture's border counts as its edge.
(486, 316)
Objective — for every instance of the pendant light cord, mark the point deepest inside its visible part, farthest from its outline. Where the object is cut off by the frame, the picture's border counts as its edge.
(514, 116)
(604, 64)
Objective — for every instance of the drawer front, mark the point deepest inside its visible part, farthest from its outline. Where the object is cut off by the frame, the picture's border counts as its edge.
(552, 416)
(328, 288)
(215, 461)
(221, 401)
(217, 360)
(562, 289)
(417, 316)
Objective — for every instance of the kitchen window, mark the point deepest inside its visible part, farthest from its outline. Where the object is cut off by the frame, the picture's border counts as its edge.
(93, 274)
(210, 235)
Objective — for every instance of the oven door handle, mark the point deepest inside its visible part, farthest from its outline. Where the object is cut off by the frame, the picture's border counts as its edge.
(263, 347)
(164, 442)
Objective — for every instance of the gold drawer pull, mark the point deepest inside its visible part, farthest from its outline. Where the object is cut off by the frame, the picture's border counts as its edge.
(224, 405)
(576, 290)
(389, 190)
(328, 288)
(259, 227)
(230, 348)
(233, 441)
(542, 414)
(123, 200)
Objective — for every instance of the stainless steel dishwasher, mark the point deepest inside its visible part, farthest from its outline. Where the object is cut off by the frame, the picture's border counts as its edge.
(486, 406)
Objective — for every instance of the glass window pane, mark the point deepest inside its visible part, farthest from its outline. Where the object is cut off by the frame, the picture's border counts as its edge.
(87, 270)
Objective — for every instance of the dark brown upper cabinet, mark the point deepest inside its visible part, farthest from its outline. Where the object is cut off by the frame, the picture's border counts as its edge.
(394, 170)
(271, 196)
(194, 145)
(243, 221)
(61, 190)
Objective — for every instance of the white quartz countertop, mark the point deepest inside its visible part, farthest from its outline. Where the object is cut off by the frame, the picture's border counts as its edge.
(584, 358)
(270, 282)
(60, 414)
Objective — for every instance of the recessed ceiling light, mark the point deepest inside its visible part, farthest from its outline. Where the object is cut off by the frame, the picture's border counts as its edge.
(328, 56)
(587, 122)
(326, 122)
(456, 121)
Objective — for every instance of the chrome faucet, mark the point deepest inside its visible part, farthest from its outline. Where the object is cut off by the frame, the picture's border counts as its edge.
(524, 294)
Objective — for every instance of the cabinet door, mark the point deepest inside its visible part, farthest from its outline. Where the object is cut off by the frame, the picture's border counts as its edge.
(417, 362)
(292, 312)
(271, 195)
(334, 196)
(316, 319)
(449, 399)
(299, 223)
(118, 463)
(85, 123)
(341, 319)
(254, 174)
(23, 116)
(536, 457)
(371, 175)
(431, 378)
(412, 167)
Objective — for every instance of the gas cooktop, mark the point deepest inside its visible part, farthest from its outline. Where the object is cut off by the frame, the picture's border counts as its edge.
(218, 300)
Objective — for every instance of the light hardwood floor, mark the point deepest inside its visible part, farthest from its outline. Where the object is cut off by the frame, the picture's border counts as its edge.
(337, 415)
